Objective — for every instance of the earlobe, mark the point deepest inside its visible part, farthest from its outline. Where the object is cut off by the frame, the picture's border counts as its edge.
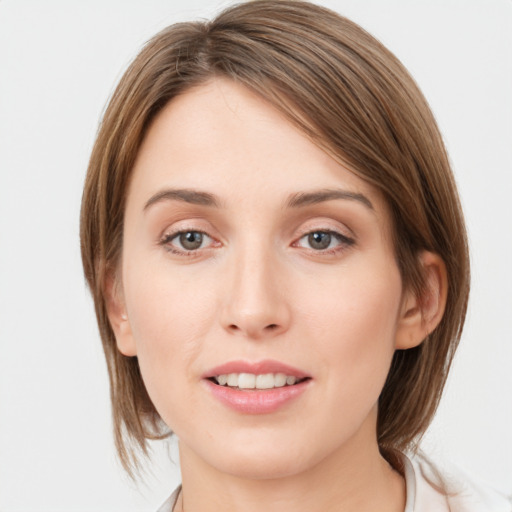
(118, 317)
(420, 315)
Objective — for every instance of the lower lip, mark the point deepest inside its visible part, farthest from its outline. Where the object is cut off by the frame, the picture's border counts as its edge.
(255, 401)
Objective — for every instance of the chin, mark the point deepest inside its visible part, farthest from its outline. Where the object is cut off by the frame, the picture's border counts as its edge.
(264, 466)
(263, 457)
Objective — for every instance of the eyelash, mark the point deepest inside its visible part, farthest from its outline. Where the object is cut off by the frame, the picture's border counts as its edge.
(169, 237)
(344, 242)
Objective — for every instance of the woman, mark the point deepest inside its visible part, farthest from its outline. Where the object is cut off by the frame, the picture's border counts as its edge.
(277, 254)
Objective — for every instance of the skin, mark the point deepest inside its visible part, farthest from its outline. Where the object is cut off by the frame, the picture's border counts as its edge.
(257, 289)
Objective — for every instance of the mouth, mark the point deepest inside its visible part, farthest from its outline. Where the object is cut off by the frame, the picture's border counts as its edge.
(261, 381)
(256, 388)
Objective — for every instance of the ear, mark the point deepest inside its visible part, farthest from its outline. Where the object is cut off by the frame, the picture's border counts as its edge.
(419, 316)
(118, 317)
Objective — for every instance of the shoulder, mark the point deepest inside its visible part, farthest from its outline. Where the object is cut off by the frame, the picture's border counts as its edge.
(430, 487)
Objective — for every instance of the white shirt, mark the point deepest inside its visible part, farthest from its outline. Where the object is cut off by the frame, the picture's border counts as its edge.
(430, 490)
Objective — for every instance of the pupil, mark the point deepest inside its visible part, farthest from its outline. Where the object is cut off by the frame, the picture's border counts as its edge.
(319, 240)
(191, 240)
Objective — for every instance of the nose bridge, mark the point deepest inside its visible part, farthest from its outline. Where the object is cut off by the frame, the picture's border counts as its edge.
(255, 304)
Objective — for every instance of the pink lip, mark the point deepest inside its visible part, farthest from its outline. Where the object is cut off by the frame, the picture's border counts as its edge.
(255, 401)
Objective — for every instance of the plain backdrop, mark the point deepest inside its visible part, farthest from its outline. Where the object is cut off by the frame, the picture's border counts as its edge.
(59, 62)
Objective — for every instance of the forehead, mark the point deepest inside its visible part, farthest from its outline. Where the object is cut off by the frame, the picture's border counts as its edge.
(222, 137)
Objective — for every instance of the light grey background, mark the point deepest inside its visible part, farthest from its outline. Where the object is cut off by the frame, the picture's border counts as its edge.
(59, 62)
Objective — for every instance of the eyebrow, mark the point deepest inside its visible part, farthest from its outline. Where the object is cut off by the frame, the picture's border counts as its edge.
(319, 196)
(185, 195)
(297, 200)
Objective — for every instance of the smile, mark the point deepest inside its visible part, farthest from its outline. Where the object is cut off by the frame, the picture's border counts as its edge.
(260, 387)
(256, 381)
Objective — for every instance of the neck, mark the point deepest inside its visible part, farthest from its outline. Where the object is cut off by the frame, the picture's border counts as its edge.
(353, 479)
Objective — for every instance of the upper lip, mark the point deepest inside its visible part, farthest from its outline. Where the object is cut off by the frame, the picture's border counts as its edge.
(256, 368)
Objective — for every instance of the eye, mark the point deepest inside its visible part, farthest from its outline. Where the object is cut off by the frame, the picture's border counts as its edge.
(186, 241)
(324, 240)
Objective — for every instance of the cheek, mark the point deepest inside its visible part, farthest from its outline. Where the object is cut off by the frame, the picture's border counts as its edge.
(353, 321)
(169, 321)
(166, 304)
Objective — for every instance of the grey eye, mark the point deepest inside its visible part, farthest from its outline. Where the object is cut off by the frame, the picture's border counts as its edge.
(325, 241)
(191, 240)
(319, 240)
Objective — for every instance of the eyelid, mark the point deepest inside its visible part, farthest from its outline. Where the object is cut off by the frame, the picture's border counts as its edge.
(186, 223)
(327, 225)
(171, 234)
(345, 240)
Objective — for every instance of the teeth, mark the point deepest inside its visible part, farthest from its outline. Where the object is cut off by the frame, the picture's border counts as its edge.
(222, 380)
(246, 380)
(233, 380)
(265, 381)
(251, 381)
(279, 380)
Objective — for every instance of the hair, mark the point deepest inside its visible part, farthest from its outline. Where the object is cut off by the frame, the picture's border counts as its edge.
(353, 98)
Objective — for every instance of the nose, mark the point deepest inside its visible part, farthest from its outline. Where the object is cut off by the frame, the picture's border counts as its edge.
(255, 301)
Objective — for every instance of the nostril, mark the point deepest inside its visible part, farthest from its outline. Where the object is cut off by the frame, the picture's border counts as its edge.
(253, 331)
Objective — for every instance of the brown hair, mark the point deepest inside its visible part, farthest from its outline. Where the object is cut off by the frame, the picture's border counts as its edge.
(353, 98)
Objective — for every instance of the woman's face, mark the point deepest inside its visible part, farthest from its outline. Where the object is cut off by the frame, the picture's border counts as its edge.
(251, 255)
